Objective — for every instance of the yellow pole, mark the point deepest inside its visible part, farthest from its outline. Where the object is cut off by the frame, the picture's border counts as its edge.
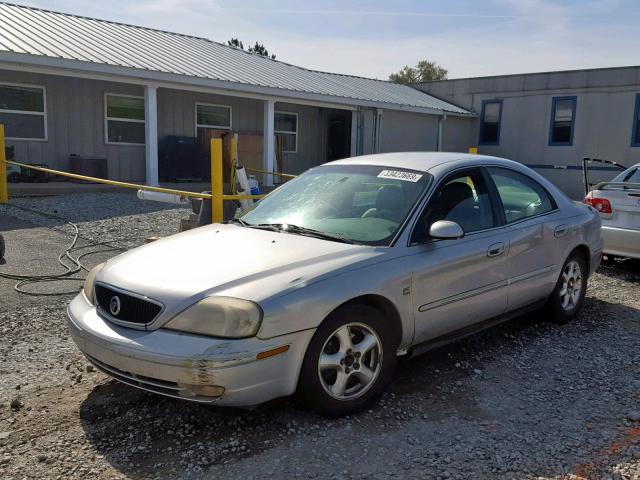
(4, 190)
(473, 150)
(216, 180)
(234, 163)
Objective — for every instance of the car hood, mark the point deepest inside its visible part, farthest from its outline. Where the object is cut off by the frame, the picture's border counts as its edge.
(229, 260)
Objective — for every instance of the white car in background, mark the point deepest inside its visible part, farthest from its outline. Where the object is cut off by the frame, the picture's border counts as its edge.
(618, 202)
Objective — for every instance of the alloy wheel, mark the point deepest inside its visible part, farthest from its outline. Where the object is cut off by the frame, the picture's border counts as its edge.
(350, 361)
(571, 286)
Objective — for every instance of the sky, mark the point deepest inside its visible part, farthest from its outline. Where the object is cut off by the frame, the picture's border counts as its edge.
(375, 38)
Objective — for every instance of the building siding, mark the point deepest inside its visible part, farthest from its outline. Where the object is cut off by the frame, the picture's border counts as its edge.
(75, 125)
(312, 138)
(408, 132)
(603, 120)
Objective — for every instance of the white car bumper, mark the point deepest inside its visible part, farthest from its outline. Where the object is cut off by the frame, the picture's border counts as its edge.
(622, 242)
(183, 365)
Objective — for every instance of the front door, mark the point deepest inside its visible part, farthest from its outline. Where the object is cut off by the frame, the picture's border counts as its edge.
(339, 135)
(457, 283)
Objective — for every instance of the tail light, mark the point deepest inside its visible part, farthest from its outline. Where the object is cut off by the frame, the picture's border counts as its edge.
(601, 204)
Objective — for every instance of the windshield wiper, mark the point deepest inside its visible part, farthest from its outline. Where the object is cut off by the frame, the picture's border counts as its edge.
(298, 230)
(239, 221)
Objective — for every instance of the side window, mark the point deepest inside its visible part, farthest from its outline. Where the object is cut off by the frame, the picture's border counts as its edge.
(521, 196)
(462, 198)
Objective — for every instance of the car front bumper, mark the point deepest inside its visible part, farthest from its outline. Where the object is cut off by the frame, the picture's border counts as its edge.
(622, 242)
(188, 366)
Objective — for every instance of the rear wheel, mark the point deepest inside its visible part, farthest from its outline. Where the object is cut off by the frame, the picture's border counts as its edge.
(350, 360)
(567, 298)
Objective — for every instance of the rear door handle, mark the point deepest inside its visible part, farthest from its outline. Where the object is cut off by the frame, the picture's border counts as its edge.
(560, 230)
(496, 249)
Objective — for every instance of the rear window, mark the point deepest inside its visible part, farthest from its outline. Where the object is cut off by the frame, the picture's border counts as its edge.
(632, 176)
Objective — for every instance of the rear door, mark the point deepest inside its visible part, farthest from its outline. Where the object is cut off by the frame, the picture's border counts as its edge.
(536, 232)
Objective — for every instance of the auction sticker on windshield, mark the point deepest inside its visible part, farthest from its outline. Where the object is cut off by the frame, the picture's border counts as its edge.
(400, 175)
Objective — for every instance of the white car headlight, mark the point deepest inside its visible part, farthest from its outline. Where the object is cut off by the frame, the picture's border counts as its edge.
(90, 281)
(219, 317)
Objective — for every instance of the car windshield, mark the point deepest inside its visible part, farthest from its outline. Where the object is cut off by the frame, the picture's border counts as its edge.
(358, 203)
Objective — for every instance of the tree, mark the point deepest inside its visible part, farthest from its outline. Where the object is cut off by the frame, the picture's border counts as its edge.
(258, 48)
(234, 42)
(261, 50)
(424, 71)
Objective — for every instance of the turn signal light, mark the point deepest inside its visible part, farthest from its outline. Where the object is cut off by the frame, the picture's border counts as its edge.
(207, 390)
(601, 204)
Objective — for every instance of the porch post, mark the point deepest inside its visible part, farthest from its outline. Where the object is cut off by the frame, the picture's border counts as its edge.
(355, 132)
(377, 132)
(151, 134)
(268, 141)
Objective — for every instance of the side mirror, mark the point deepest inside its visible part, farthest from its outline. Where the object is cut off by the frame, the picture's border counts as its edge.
(446, 230)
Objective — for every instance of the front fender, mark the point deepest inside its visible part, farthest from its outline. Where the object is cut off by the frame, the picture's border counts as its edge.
(308, 305)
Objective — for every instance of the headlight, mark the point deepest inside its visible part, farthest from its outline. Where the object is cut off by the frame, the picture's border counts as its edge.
(90, 281)
(219, 317)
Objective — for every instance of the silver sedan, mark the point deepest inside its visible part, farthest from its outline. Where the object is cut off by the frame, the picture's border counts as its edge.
(618, 202)
(322, 285)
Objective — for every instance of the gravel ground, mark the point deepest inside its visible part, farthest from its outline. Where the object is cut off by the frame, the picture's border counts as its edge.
(527, 399)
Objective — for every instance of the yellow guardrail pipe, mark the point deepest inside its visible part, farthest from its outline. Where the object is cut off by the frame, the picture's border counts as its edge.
(285, 175)
(114, 183)
(217, 196)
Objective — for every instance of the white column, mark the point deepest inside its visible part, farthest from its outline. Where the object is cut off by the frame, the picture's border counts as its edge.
(355, 132)
(440, 127)
(377, 131)
(151, 134)
(268, 141)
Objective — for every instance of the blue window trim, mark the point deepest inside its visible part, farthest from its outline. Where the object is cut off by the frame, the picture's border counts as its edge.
(484, 103)
(574, 100)
(634, 124)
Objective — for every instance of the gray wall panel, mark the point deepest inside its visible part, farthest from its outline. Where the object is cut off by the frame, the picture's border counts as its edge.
(312, 138)
(75, 123)
(408, 132)
(603, 124)
(459, 133)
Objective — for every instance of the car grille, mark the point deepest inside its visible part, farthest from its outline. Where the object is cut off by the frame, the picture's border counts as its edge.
(131, 309)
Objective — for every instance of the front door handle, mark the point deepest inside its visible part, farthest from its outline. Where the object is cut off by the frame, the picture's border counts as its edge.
(496, 249)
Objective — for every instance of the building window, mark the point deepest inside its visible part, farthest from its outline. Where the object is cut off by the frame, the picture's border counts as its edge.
(563, 115)
(124, 119)
(635, 134)
(286, 130)
(23, 112)
(490, 122)
(216, 117)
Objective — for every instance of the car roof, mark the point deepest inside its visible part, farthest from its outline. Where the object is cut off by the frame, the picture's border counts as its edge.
(420, 161)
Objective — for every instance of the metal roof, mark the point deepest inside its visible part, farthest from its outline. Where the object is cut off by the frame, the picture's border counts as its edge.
(34, 33)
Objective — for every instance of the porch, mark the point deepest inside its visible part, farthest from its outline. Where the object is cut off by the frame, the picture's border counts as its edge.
(155, 133)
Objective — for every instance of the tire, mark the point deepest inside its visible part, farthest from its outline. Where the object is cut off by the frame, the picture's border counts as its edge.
(356, 368)
(567, 298)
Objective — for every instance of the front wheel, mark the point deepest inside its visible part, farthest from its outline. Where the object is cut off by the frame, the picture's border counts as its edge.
(567, 298)
(350, 360)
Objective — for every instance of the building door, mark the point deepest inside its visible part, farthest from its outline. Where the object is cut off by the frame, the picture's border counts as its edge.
(339, 137)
